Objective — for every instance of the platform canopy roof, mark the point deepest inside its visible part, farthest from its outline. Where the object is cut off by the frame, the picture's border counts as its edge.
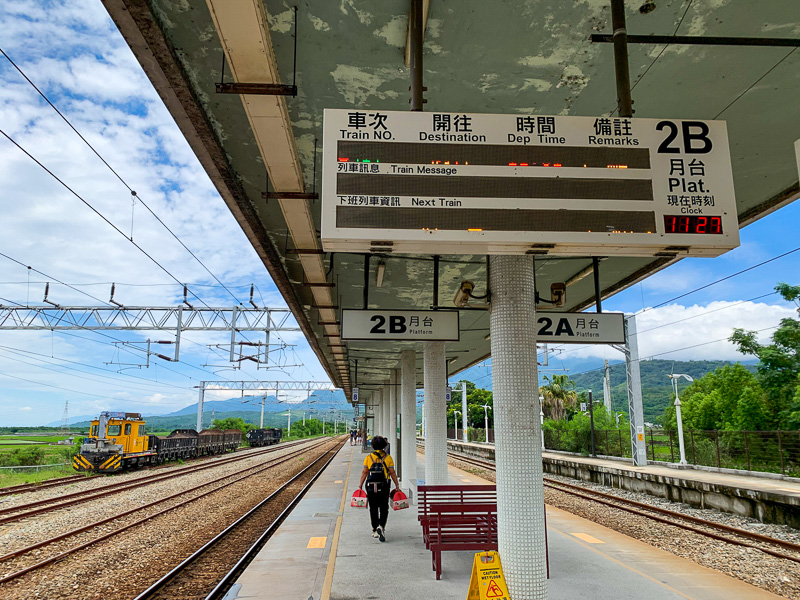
(503, 56)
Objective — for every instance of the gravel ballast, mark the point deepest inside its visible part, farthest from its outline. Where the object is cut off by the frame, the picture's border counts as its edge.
(122, 566)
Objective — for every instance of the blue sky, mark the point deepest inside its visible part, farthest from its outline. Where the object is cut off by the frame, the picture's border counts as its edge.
(73, 52)
(75, 55)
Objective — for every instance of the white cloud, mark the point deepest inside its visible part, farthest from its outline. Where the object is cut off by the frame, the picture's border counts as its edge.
(72, 50)
(25, 408)
(686, 330)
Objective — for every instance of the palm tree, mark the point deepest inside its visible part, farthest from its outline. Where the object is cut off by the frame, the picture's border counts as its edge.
(558, 394)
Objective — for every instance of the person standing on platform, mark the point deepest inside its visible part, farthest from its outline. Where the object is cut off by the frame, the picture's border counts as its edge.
(378, 469)
(352, 436)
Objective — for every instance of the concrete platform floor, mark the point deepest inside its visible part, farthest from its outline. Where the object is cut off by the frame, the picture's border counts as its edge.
(586, 560)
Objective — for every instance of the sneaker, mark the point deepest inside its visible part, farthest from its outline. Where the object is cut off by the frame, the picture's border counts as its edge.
(380, 533)
(375, 533)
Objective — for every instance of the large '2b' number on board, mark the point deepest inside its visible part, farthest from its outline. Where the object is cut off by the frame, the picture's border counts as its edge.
(397, 324)
(695, 137)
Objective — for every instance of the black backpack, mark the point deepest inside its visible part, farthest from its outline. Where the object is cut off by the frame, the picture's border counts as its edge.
(377, 481)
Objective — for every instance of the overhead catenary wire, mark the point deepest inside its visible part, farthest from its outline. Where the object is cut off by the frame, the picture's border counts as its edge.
(117, 175)
(103, 217)
(737, 273)
(674, 33)
(713, 310)
(97, 212)
(130, 239)
(51, 278)
(82, 392)
(83, 375)
(128, 349)
(752, 85)
(44, 358)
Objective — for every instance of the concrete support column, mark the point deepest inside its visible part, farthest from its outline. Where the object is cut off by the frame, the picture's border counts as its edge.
(408, 416)
(435, 414)
(377, 400)
(200, 407)
(385, 411)
(391, 433)
(635, 409)
(520, 494)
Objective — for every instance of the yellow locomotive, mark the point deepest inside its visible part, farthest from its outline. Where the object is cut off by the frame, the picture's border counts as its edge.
(116, 440)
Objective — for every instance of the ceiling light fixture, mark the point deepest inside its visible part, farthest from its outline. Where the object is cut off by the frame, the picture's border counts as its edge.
(379, 274)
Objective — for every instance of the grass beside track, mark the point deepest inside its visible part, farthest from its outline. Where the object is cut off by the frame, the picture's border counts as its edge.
(11, 479)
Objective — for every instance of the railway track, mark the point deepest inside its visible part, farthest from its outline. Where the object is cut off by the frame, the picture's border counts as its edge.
(43, 485)
(61, 481)
(725, 533)
(18, 562)
(210, 571)
(21, 511)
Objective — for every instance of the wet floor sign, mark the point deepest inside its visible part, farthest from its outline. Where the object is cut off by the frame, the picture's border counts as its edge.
(487, 581)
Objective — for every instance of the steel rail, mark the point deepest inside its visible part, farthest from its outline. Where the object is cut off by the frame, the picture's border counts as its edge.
(35, 487)
(238, 568)
(57, 557)
(615, 501)
(51, 504)
(59, 481)
(726, 528)
(117, 516)
(162, 583)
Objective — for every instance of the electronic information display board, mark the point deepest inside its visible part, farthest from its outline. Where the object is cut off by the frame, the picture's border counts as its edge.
(452, 183)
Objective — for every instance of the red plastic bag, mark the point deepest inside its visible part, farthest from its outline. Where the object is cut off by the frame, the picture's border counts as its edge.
(399, 500)
(359, 499)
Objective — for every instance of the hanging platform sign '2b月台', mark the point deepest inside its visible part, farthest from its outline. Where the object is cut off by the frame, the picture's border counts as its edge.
(418, 182)
(428, 325)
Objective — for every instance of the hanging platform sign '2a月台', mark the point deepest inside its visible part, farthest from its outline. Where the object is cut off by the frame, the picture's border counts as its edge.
(414, 182)
(580, 328)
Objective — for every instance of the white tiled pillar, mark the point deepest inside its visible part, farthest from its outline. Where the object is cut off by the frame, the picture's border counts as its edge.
(385, 411)
(377, 400)
(435, 414)
(391, 433)
(520, 495)
(408, 416)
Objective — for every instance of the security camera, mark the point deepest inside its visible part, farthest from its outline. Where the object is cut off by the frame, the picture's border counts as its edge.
(558, 294)
(463, 294)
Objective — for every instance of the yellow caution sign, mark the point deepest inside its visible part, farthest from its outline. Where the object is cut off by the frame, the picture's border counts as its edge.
(487, 581)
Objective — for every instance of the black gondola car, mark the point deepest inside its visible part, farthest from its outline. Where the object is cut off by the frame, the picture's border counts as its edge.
(263, 437)
(178, 444)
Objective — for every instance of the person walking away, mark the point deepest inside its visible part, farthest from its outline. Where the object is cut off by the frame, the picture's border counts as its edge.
(377, 471)
(352, 436)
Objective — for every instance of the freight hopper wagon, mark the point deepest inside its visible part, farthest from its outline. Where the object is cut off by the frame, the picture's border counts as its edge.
(263, 437)
(117, 441)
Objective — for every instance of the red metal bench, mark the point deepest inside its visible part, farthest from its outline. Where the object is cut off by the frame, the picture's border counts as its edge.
(467, 526)
(459, 517)
(457, 494)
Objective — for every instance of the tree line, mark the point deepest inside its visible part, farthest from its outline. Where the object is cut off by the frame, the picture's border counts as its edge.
(731, 397)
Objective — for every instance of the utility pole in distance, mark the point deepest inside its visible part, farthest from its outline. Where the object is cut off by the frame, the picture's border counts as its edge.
(591, 421)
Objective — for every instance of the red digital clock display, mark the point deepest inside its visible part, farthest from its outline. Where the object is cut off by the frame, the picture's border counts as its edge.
(692, 224)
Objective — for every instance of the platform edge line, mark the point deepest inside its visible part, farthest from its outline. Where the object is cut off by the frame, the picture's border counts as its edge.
(328, 583)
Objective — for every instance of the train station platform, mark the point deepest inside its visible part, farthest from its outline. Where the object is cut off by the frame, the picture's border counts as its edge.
(325, 551)
(767, 497)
